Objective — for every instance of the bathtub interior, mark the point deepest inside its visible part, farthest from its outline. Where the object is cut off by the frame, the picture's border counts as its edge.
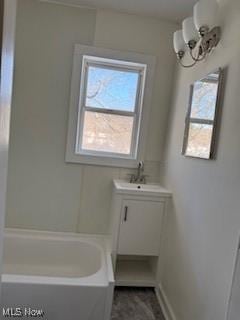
(55, 256)
(69, 276)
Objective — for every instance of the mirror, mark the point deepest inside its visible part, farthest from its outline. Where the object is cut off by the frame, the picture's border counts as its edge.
(202, 116)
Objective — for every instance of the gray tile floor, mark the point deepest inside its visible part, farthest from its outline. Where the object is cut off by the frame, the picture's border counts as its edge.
(136, 304)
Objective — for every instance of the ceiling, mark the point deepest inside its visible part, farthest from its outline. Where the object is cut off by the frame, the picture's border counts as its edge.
(174, 10)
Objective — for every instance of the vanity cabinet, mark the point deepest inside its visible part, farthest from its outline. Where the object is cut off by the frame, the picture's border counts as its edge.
(137, 220)
(140, 226)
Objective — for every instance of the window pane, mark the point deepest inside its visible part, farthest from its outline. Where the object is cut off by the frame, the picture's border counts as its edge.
(199, 140)
(204, 100)
(107, 133)
(111, 89)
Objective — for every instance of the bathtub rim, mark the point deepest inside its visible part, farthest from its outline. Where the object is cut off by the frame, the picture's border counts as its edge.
(103, 277)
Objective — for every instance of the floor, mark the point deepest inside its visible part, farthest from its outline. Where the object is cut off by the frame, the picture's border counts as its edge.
(136, 304)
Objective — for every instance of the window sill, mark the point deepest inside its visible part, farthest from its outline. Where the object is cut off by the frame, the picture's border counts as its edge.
(101, 160)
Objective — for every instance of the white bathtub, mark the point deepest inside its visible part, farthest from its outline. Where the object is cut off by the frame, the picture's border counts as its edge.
(66, 276)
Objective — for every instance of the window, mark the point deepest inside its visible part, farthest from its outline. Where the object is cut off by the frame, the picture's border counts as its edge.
(110, 107)
(106, 123)
(200, 130)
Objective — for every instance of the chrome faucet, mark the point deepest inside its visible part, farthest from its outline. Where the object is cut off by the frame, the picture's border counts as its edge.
(139, 177)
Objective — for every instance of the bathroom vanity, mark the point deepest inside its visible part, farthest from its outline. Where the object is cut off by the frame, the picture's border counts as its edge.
(138, 212)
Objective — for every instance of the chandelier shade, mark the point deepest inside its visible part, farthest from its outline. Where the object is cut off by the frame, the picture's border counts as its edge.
(204, 14)
(178, 41)
(200, 34)
(190, 32)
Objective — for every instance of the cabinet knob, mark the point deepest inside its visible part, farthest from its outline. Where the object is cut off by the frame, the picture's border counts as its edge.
(125, 213)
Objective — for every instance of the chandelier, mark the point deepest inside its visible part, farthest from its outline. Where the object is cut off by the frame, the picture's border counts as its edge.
(199, 34)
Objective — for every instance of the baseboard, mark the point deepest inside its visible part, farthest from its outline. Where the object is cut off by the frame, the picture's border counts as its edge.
(165, 304)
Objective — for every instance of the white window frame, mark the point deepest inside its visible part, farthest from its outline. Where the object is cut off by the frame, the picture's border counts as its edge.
(85, 56)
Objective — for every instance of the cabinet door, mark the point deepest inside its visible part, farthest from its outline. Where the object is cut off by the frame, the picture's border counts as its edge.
(140, 227)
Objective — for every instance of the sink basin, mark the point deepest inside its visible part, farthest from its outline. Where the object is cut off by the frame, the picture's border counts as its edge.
(122, 186)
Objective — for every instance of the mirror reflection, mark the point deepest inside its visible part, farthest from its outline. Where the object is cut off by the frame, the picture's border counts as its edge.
(201, 119)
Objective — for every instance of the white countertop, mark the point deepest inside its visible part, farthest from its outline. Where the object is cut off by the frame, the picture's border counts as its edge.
(125, 187)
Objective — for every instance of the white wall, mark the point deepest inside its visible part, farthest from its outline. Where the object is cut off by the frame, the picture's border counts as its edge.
(44, 192)
(6, 86)
(234, 307)
(204, 223)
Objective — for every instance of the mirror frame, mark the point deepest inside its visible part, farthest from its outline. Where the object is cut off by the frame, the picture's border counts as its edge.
(217, 114)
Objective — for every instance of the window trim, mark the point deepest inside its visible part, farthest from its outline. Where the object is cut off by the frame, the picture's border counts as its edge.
(140, 70)
(143, 63)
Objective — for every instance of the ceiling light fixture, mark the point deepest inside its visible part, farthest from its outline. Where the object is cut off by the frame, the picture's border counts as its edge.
(199, 34)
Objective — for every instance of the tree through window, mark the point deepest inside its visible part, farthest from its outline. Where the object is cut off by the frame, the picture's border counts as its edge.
(110, 106)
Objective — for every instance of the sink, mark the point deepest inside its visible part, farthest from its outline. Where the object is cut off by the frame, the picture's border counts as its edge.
(123, 186)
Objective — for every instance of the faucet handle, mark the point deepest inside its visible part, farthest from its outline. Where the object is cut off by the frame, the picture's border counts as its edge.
(143, 178)
(132, 177)
(141, 165)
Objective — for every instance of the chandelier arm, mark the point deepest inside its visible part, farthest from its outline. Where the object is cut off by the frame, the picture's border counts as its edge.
(197, 59)
(192, 56)
(203, 57)
(190, 65)
(187, 66)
